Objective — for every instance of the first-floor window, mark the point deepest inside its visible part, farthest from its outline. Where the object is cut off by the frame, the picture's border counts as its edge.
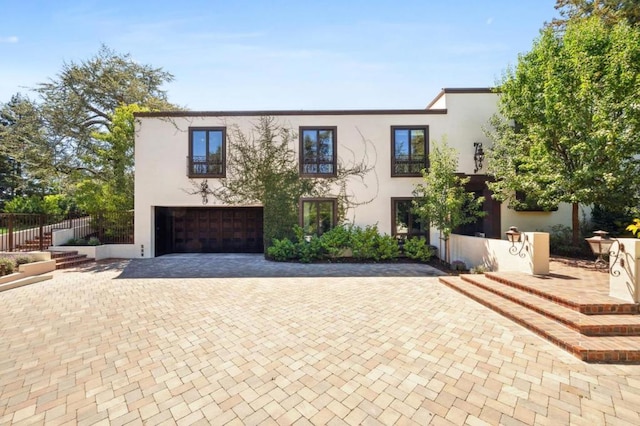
(318, 215)
(405, 223)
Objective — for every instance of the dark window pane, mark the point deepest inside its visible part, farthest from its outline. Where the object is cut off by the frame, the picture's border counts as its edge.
(318, 151)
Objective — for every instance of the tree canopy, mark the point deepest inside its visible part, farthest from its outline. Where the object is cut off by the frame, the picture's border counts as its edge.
(78, 134)
(609, 11)
(568, 128)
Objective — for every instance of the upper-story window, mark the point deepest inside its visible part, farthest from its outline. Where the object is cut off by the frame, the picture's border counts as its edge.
(409, 150)
(318, 151)
(206, 152)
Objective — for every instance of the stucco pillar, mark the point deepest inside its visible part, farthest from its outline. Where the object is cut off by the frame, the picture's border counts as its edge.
(624, 280)
(539, 260)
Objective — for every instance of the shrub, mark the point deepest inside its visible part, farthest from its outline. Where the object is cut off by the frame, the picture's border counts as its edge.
(368, 244)
(93, 241)
(308, 247)
(282, 250)
(417, 248)
(363, 242)
(8, 264)
(336, 240)
(480, 269)
(458, 265)
(22, 259)
(560, 237)
(387, 247)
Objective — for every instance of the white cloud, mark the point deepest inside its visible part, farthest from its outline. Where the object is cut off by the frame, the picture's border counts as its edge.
(10, 39)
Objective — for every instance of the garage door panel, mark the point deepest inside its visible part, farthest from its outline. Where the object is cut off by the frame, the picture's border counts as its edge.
(210, 230)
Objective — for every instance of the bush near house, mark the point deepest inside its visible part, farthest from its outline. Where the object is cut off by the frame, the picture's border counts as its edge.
(362, 244)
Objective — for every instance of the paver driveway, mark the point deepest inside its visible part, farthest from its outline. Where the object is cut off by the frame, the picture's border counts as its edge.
(87, 348)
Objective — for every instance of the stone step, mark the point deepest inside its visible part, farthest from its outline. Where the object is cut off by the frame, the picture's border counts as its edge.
(596, 349)
(590, 325)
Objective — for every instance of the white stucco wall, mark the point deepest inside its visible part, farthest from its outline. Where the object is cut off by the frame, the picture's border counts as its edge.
(162, 147)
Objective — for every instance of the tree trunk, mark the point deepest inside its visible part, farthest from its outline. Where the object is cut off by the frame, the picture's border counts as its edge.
(575, 224)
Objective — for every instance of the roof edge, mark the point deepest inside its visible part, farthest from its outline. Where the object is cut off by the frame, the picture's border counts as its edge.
(461, 90)
(183, 113)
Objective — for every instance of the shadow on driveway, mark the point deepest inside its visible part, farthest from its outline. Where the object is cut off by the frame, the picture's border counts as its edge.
(255, 265)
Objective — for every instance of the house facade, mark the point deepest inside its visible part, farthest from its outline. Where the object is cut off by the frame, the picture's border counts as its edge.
(180, 157)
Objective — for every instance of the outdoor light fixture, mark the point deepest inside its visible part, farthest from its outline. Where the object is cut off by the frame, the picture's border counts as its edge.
(478, 156)
(601, 244)
(514, 236)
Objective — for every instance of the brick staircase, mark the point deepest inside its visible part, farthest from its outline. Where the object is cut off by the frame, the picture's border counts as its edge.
(581, 319)
(34, 244)
(70, 259)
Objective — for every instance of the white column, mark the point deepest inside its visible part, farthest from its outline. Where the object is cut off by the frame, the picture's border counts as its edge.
(624, 280)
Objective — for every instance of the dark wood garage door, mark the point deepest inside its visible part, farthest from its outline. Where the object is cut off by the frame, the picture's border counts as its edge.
(209, 230)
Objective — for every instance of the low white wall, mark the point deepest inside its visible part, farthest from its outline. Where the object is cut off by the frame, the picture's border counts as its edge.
(30, 269)
(494, 254)
(624, 280)
(121, 251)
(61, 236)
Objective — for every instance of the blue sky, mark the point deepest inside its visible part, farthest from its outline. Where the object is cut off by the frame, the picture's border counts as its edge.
(277, 54)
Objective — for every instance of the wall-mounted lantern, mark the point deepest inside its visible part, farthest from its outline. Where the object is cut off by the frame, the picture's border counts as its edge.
(514, 237)
(478, 156)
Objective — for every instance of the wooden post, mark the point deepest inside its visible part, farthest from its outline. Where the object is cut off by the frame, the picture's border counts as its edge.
(10, 231)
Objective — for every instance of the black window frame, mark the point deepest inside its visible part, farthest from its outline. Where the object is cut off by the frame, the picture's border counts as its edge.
(317, 201)
(334, 158)
(423, 163)
(190, 159)
(412, 219)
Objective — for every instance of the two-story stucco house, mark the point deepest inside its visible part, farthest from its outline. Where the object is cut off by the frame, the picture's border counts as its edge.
(174, 150)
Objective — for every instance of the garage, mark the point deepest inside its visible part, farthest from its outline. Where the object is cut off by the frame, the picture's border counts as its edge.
(208, 230)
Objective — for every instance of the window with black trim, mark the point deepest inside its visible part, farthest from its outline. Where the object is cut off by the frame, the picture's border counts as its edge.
(206, 152)
(318, 215)
(318, 151)
(404, 222)
(409, 150)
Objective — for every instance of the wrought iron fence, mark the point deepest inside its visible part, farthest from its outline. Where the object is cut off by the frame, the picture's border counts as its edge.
(22, 232)
(28, 232)
(110, 227)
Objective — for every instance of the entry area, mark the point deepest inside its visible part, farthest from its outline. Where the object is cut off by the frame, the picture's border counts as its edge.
(208, 230)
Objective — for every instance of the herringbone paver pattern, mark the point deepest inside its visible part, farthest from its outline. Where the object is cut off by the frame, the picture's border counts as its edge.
(85, 348)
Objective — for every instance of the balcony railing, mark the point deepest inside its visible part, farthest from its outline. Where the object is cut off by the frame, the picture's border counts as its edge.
(198, 166)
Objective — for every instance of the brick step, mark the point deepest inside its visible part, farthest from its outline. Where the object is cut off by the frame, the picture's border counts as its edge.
(596, 349)
(590, 325)
(70, 259)
(74, 262)
(593, 304)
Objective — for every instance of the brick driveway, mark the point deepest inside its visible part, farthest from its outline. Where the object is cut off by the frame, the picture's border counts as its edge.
(88, 348)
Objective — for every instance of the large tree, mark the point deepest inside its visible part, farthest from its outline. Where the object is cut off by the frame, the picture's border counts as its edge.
(609, 11)
(568, 128)
(27, 151)
(83, 97)
(78, 134)
(111, 187)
